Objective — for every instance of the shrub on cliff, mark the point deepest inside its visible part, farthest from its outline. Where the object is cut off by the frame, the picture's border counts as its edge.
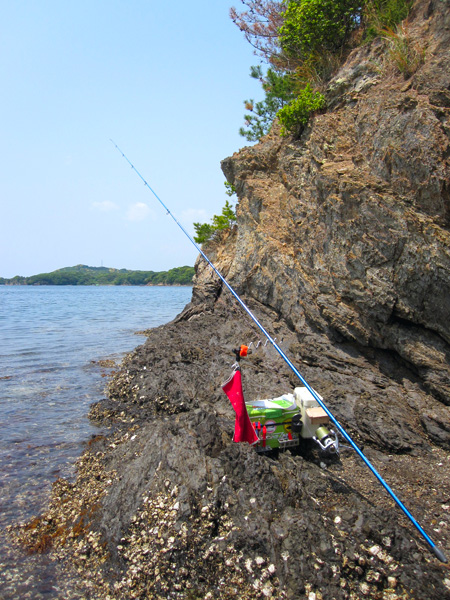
(295, 115)
(279, 90)
(297, 38)
(312, 27)
(205, 231)
(304, 42)
(380, 15)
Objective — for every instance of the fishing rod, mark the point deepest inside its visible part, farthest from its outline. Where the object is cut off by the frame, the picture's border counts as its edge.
(435, 549)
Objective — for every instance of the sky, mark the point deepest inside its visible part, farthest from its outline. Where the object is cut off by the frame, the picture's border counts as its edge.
(165, 81)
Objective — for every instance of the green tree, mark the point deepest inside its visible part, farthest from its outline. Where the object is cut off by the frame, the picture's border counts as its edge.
(304, 42)
(205, 231)
(312, 27)
(230, 189)
(279, 90)
(226, 219)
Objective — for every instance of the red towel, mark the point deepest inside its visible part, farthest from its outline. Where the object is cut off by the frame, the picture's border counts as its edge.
(243, 430)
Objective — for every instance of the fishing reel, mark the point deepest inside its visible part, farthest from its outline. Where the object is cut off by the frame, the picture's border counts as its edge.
(312, 420)
(327, 440)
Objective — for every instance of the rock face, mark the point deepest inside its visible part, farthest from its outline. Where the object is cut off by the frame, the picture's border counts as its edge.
(341, 249)
(346, 230)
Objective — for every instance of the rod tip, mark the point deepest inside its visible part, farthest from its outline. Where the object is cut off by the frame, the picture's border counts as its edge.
(439, 554)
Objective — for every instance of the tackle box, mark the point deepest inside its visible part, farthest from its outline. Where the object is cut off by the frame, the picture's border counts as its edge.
(272, 420)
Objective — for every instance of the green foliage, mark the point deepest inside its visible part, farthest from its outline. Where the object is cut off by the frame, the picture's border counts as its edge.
(381, 15)
(84, 275)
(224, 220)
(206, 231)
(230, 189)
(295, 115)
(311, 27)
(304, 42)
(203, 232)
(279, 90)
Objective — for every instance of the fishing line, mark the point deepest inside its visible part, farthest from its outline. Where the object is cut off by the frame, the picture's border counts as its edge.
(437, 551)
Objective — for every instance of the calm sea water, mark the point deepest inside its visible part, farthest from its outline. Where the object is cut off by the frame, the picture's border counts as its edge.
(51, 339)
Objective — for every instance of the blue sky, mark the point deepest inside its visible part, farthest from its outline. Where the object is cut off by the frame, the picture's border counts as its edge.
(166, 82)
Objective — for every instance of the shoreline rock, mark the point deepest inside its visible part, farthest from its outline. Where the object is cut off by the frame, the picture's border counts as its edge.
(165, 505)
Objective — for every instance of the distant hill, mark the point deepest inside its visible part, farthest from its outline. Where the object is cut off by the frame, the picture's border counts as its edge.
(84, 275)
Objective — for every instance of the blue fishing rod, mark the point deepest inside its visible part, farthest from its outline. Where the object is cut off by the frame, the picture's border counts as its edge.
(437, 551)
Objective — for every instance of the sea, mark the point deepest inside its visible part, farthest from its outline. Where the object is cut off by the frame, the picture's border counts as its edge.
(57, 344)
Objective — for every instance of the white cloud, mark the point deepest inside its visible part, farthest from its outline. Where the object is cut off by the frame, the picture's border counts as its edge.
(105, 206)
(138, 211)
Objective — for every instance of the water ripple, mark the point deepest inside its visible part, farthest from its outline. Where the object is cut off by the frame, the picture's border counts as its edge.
(51, 340)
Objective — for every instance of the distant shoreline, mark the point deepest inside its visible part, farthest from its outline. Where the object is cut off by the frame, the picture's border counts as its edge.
(96, 284)
(85, 275)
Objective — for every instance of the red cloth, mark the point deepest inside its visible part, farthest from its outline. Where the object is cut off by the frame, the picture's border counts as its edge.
(243, 429)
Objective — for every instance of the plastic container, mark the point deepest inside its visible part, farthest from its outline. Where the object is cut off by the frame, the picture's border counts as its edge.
(272, 420)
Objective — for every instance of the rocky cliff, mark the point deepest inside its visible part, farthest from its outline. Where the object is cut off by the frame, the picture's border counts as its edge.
(342, 250)
(345, 232)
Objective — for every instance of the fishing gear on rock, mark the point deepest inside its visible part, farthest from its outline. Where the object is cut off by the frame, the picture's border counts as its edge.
(278, 423)
(306, 394)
